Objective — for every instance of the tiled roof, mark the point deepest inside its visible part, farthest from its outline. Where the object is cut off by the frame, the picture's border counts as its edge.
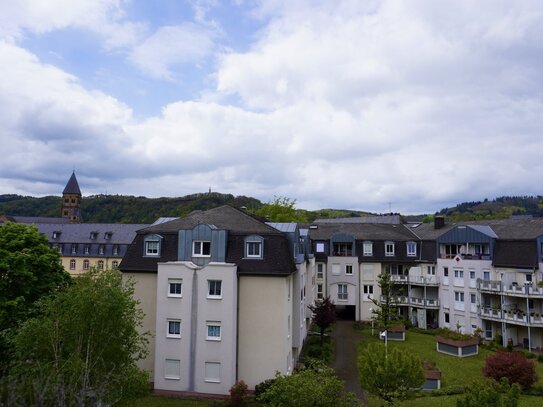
(362, 231)
(81, 232)
(72, 187)
(31, 220)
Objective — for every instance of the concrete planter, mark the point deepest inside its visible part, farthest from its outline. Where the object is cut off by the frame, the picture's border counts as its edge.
(459, 348)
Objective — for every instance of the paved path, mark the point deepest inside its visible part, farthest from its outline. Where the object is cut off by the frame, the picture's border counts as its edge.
(345, 339)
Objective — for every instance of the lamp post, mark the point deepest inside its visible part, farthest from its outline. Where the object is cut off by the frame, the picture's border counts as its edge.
(384, 335)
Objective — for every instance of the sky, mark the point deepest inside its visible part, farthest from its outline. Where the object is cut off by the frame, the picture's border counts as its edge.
(408, 106)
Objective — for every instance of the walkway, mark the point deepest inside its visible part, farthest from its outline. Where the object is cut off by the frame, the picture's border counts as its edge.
(345, 339)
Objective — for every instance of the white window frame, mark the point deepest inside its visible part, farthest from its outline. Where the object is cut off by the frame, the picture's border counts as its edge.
(252, 244)
(209, 368)
(175, 282)
(152, 247)
(411, 249)
(100, 265)
(367, 249)
(459, 296)
(173, 323)
(342, 292)
(198, 247)
(431, 270)
(86, 264)
(213, 325)
(472, 298)
(349, 269)
(114, 265)
(172, 363)
(86, 249)
(72, 264)
(320, 291)
(74, 249)
(319, 247)
(320, 271)
(387, 251)
(213, 284)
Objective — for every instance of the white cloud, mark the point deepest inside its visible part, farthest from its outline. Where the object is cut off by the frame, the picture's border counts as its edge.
(171, 47)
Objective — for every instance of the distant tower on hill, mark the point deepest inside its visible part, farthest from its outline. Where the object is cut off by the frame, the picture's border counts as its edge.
(71, 200)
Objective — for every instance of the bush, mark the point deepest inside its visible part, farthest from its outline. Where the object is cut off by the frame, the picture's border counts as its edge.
(238, 395)
(540, 358)
(314, 349)
(511, 366)
(263, 386)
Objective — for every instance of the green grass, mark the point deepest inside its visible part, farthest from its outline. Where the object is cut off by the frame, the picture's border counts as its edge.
(161, 401)
(454, 371)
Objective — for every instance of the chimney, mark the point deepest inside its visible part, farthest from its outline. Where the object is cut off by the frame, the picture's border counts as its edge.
(439, 221)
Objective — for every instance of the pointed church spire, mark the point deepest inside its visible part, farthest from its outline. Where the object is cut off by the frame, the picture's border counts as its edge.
(71, 200)
(72, 187)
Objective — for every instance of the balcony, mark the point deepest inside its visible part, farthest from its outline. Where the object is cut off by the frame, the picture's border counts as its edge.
(417, 280)
(464, 256)
(425, 303)
(489, 286)
(490, 313)
(516, 317)
(514, 289)
(398, 300)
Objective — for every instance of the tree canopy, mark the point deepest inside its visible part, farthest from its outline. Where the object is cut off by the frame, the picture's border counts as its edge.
(385, 310)
(324, 314)
(281, 209)
(389, 376)
(87, 344)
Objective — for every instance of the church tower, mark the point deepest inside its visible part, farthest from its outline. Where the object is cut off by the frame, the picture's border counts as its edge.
(71, 200)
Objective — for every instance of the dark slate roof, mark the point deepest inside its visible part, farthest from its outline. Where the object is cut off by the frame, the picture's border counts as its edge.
(363, 231)
(277, 258)
(81, 232)
(72, 187)
(31, 220)
(224, 217)
(516, 254)
(389, 219)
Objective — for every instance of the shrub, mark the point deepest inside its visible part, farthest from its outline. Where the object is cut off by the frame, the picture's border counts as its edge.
(263, 386)
(511, 366)
(540, 358)
(238, 395)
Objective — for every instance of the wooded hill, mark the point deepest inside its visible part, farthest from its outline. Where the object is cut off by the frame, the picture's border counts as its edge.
(499, 208)
(131, 209)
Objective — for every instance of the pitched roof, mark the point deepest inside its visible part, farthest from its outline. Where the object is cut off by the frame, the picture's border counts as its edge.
(120, 233)
(362, 231)
(72, 187)
(223, 217)
(35, 219)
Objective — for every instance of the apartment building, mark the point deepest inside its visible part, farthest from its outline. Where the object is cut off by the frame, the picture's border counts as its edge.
(225, 296)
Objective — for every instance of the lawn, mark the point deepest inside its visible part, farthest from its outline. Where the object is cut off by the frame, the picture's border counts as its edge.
(455, 371)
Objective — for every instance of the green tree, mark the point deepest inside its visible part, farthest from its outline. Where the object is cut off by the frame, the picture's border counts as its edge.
(386, 309)
(390, 377)
(281, 209)
(315, 386)
(324, 314)
(490, 394)
(29, 269)
(84, 344)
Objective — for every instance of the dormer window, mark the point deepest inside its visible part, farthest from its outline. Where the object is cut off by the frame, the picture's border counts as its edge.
(411, 249)
(56, 234)
(389, 248)
(101, 249)
(116, 250)
(253, 247)
(107, 235)
(74, 248)
(151, 245)
(368, 248)
(93, 235)
(201, 248)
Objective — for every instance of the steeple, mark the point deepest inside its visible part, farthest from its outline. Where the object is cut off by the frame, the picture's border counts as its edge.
(71, 200)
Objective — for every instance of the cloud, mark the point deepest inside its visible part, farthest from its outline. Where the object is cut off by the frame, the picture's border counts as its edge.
(172, 47)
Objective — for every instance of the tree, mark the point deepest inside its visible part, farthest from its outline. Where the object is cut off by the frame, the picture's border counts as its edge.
(281, 209)
(87, 344)
(29, 269)
(512, 366)
(386, 309)
(490, 394)
(391, 376)
(315, 386)
(324, 314)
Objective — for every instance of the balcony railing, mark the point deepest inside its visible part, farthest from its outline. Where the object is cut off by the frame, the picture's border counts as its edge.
(491, 313)
(517, 317)
(419, 280)
(515, 289)
(465, 256)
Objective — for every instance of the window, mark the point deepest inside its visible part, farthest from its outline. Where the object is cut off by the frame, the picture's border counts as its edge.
(349, 269)
(343, 249)
(342, 292)
(74, 249)
(213, 372)
(107, 235)
(389, 248)
(152, 247)
(335, 269)
(114, 264)
(174, 288)
(411, 249)
(431, 270)
(458, 273)
(72, 264)
(447, 318)
(320, 294)
(86, 249)
(320, 270)
(459, 296)
(472, 298)
(93, 235)
(367, 249)
(174, 328)
(213, 331)
(116, 250)
(445, 271)
(201, 249)
(486, 275)
(85, 264)
(254, 248)
(368, 291)
(101, 249)
(319, 247)
(56, 235)
(214, 289)
(172, 369)
(472, 275)
(528, 278)
(100, 265)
